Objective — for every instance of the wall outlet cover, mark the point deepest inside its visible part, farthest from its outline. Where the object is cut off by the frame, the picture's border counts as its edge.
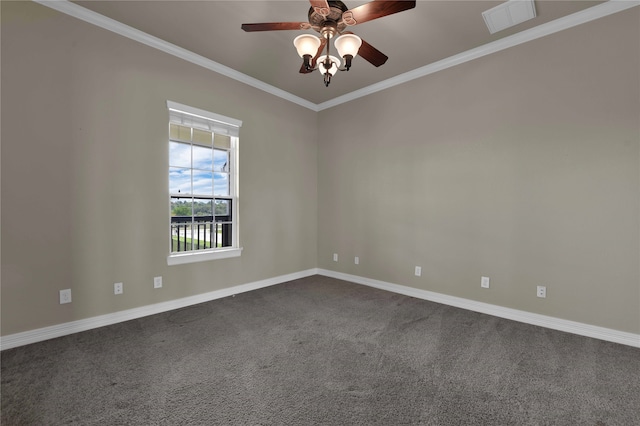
(157, 282)
(484, 282)
(541, 291)
(65, 296)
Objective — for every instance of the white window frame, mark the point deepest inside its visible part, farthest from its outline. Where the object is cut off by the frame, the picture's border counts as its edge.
(219, 124)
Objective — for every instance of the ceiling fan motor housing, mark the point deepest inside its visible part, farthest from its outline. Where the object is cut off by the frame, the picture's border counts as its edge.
(336, 9)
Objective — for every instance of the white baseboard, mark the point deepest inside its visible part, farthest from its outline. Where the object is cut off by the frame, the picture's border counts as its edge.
(578, 328)
(46, 333)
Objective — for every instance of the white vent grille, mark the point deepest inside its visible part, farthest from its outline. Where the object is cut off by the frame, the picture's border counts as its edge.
(508, 14)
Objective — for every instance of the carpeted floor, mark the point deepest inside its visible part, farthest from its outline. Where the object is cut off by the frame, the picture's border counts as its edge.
(320, 351)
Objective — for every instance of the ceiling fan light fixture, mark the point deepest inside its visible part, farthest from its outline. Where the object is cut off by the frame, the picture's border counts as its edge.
(322, 65)
(328, 65)
(306, 44)
(348, 44)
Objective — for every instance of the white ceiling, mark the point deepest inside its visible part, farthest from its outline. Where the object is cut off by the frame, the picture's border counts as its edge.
(431, 32)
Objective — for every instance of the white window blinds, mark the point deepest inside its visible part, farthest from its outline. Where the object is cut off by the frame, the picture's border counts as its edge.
(185, 115)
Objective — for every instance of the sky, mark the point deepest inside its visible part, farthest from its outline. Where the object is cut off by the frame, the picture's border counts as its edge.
(204, 168)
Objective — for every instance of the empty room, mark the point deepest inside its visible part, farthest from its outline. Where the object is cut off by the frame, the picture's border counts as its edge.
(320, 212)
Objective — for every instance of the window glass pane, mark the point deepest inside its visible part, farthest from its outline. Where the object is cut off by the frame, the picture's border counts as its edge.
(202, 207)
(202, 183)
(201, 234)
(220, 161)
(181, 217)
(222, 141)
(180, 133)
(225, 232)
(179, 180)
(180, 236)
(221, 184)
(179, 154)
(202, 158)
(202, 137)
(222, 208)
(181, 207)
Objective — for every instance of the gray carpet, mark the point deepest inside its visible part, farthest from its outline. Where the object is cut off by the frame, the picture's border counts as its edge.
(320, 351)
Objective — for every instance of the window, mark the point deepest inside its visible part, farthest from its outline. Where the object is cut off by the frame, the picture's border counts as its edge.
(203, 185)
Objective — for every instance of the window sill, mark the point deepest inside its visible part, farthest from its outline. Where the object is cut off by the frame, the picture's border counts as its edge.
(203, 256)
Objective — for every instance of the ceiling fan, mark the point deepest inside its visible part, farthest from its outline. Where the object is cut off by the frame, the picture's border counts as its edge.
(331, 18)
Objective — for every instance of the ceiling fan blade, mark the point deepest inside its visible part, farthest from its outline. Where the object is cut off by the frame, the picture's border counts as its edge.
(321, 7)
(370, 53)
(374, 10)
(303, 69)
(276, 26)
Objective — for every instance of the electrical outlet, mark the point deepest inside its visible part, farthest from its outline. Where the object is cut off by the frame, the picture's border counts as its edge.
(157, 282)
(484, 282)
(65, 296)
(356, 260)
(335, 257)
(118, 288)
(418, 271)
(542, 291)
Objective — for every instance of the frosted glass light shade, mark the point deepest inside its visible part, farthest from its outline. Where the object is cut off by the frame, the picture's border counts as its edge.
(348, 44)
(306, 44)
(335, 63)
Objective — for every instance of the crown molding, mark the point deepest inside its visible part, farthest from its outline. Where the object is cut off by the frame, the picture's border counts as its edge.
(587, 15)
(79, 12)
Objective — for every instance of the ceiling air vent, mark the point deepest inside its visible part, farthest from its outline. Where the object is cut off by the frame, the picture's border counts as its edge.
(508, 14)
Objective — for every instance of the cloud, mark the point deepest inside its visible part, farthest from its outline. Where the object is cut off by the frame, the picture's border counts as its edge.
(198, 170)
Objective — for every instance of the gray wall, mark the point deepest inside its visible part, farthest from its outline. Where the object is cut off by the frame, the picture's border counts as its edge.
(84, 172)
(522, 166)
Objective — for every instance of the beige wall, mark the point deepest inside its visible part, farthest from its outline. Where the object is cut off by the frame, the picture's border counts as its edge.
(522, 166)
(84, 172)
